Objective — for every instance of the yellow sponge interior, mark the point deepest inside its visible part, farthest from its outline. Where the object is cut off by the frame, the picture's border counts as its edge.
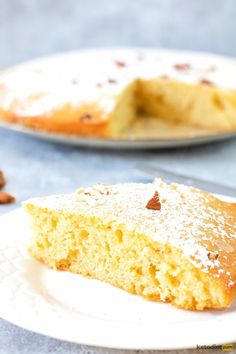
(123, 258)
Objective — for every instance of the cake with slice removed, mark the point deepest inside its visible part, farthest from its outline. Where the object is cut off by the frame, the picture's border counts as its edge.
(104, 94)
(169, 243)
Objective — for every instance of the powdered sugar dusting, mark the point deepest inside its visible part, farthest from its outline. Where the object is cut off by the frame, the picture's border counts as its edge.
(37, 88)
(195, 222)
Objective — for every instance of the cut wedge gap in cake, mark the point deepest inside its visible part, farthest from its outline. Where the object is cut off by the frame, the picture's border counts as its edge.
(163, 108)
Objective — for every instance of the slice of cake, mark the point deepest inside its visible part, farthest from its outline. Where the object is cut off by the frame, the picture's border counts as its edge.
(104, 93)
(169, 243)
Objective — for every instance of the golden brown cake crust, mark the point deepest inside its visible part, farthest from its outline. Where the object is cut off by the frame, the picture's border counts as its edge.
(65, 121)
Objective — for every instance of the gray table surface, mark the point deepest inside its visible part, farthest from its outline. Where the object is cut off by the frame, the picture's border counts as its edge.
(31, 28)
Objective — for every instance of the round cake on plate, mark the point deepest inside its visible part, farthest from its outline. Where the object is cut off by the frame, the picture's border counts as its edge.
(117, 93)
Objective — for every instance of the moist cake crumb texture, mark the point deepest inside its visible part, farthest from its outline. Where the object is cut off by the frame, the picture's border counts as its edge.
(184, 252)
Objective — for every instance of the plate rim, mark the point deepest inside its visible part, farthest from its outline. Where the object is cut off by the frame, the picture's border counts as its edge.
(129, 144)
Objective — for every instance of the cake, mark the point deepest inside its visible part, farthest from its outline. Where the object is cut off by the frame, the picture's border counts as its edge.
(169, 243)
(104, 93)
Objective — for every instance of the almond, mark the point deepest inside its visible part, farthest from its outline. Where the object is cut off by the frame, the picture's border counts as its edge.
(112, 81)
(6, 198)
(207, 82)
(212, 256)
(2, 180)
(154, 202)
(85, 117)
(120, 64)
(182, 67)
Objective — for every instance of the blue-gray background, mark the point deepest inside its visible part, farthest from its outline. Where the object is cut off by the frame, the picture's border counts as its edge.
(32, 28)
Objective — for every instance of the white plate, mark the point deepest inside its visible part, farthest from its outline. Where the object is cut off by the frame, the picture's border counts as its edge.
(121, 143)
(84, 59)
(69, 307)
(143, 144)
